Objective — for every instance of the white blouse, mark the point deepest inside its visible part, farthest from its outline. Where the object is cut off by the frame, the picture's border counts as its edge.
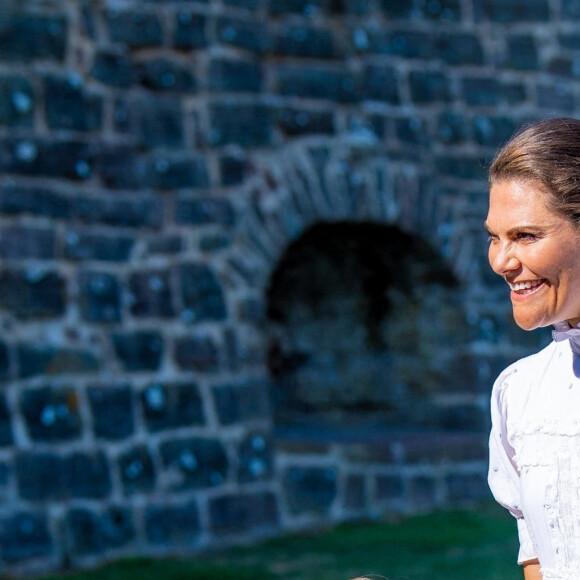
(534, 468)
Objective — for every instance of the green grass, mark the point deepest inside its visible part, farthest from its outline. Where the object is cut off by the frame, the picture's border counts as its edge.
(453, 545)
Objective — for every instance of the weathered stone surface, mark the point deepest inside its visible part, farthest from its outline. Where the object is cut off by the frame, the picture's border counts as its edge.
(241, 402)
(151, 294)
(199, 353)
(139, 351)
(255, 458)
(23, 536)
(100, 297)
(112, 411)
(309, 489)
(201, 293)
(6, 436)
(17, 101)
(137, 471)
(172, 524)
(35, 359)
(232, 514)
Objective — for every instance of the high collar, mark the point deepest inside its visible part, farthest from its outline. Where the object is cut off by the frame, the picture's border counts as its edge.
(563, 331)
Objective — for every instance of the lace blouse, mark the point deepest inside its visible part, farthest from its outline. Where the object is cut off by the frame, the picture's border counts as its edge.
(534, 468)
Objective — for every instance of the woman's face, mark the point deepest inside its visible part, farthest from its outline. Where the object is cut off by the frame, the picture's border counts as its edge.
(537, 252)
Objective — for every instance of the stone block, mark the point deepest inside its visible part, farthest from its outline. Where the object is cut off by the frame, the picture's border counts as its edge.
(171, 405)
(112, 411)
(481, 91)
(51, 414)
(194, 463)
(247, 125)
(240, 402)
(250, 35)
(151, 294)
(445, 10)
(458, 49)
(17, 101)
(24, 536)
(516, 11)
(172, 524)
(404, 43)
(413, 130)
(36, 359)
(18, 242)
(317, 83)
(136, 470)
(32, 200)
(569, 40)
(190, 172)
(522, 52)
(490, 130)
(89, 532)
(294, 121)
(165, 244)
(389, 487)
(160, 122)
(234, 76)
(355, 495)
(80, 245)
(233, 169)
(99, 297)
(467, 487)
(6, 436)
(422, 491)
(201, 293)
(309, 489)
(250, 5)
(141, 350)
(204, 210)
(556, 97)
(146, 212)
(212, 242)
(453, 128)
(461, 167)
(197, 353)
(428, 87)
(47, 158)
(255, 458)
(304, 40)
(189, 30)
(121, 168)
(86, 475)
(114, 68)
(166, 75)
(234, 514)
(30, 37)
(134, 29)
(69, 106)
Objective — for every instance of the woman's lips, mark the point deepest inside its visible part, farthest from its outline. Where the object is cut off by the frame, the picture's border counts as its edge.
(525, 288)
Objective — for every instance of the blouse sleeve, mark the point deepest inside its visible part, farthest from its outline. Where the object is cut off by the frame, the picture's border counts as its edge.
(504, 477)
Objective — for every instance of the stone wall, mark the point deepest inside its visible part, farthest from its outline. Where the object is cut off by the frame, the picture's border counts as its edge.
(156, 160)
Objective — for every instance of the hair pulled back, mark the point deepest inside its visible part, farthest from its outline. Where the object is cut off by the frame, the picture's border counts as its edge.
(545, 153)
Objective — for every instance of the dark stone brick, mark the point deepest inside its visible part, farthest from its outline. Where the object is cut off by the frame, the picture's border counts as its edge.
(470, 487)
(18, 242)
(172, 524)
(233, 169)
(112, 411)
(293, 121)
(304, 7)
(304, 41)
(189, 172)
(429, 87)
(89, 532)
(389, 487)
(100, 297)
(160, 123)
(17, 101)
(69, 106)
(164, 75)
(198, 353)
(190, 30)
(24, 536)
(6, 436)
(522, 53)
(404, 43)
(252, 311)
(414, 130)
(151, 294)
(445, 10)
(121, 168)
(255, 458)
(241, 402)
(139, 350)
(212, 242)
(234, 76)
(16, 200)
(114, 69)
(51, 414)
(137, 470)
(250, 35)
(49, 360)
(493, 130)
(28, 37)
(453, 128)
(170, 406)
(309, 489)
(317, 83)
(165, 245)
(355, 496)
(36, 158)
(106, 248)
(514, 11)
(482, 91)
(201, 293)
(146, 212)
(570, 9)
(240, 124)
(87, 476)
(422, 491)
(563, 66)
(556, 97)
(233, 514)
(135, 29)
(200, 211)
(571, 41)
(250, 5)
(32, 294)
(462, 167)
(460, 49)
(194, 463)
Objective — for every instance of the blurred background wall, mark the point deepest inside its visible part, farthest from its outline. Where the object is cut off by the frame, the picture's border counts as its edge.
(244, 283)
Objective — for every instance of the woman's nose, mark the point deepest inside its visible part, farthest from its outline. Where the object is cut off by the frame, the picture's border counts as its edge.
(503, 260)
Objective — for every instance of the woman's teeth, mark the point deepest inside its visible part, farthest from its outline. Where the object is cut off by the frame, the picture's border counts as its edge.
(519, 286)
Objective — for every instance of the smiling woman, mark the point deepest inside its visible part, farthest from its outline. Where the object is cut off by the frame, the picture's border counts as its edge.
(534, 244)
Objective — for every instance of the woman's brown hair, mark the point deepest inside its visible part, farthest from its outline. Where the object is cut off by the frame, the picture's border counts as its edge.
(546, 153)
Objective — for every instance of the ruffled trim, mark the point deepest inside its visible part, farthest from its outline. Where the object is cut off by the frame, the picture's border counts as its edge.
(563, 331)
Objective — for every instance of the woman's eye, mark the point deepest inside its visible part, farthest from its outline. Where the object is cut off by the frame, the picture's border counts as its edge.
(526, 236)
